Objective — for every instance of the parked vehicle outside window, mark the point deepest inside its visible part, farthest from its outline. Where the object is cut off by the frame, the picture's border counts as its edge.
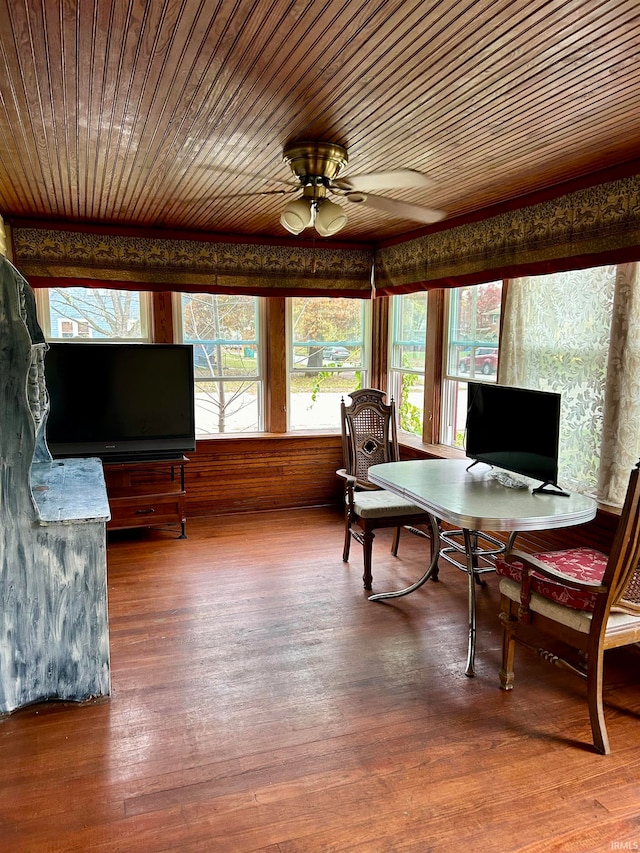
(473, 344)
(335, 354)
(485, 360)
(327, 358)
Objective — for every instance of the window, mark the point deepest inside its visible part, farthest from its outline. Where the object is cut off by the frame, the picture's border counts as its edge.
(471, 352)
(225, 333)
(407, 359)
(327, 358)
(93, 313)
(557, 337)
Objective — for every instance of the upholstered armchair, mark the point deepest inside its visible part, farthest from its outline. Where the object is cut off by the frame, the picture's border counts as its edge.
(583, 599)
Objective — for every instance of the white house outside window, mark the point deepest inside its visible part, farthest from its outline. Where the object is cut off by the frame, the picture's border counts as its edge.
(93, 314)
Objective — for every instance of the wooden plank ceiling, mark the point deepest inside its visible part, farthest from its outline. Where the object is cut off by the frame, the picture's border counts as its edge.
(165, 113)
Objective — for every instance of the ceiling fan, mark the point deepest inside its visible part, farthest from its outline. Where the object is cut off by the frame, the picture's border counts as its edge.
(317, 167)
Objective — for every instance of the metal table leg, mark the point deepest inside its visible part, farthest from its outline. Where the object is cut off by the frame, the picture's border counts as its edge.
(473, 553)
(433, 566)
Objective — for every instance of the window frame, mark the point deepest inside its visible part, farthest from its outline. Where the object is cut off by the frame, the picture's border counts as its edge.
(451, 382)
(261, 378)
(397, 372)
(365, 363)
(43, 311)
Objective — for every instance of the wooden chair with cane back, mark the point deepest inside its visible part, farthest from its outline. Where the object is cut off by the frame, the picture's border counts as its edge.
(369, 437)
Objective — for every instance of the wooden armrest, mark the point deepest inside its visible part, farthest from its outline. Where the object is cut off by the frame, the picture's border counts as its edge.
(353, 482)
(532, 564)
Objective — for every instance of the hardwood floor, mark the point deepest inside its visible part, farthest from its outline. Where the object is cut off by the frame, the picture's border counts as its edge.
(261, 703)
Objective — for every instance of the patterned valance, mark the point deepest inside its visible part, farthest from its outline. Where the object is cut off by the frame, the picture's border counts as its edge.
(50, 257)
(584, 228)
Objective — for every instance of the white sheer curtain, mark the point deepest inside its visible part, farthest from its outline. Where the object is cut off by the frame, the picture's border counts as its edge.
(621, 422)
(578, 333)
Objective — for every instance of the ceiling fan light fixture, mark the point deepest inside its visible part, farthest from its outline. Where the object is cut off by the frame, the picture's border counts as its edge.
(330, 218)
(297, 215)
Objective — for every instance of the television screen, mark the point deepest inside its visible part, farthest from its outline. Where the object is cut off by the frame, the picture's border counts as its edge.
(120, 400)
(514, 428)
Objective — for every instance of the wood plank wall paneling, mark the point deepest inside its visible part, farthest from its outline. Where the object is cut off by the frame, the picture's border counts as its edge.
(248, 474)
(597, 534)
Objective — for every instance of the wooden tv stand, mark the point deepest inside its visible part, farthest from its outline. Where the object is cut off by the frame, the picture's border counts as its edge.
(147, 493)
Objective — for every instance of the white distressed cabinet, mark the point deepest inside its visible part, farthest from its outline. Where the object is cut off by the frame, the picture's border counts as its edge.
(54, 631)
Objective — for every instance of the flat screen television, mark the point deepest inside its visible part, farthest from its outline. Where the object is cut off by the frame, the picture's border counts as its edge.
(516, 429)
(120, 400)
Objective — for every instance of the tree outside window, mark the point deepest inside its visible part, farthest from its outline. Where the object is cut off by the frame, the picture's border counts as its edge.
(93, 313)
(408, 350)
(473, 346)
(474, 330)
(224, 332)
(327, 358)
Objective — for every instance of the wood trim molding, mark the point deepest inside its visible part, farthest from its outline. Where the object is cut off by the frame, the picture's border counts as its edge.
(433, 368)
(380, 311)
(275, 373)
(162, 328)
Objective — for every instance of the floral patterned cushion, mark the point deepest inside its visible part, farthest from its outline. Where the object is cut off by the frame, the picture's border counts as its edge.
(583, 564)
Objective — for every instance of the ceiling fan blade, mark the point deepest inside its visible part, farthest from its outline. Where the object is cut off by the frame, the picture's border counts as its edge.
(398, 179)
(399, 209)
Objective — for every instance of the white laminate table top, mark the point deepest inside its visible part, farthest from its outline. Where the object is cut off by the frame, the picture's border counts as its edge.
(475, 501)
